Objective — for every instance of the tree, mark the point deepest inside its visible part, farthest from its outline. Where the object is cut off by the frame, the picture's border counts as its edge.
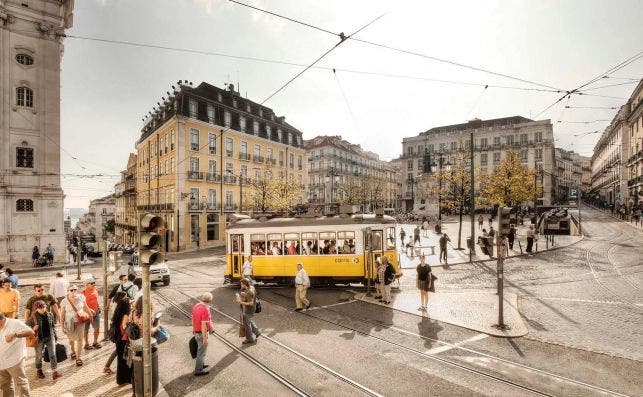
(273, 194)
(351, 192)
(510, 184)
(457, 192)
(374, 192)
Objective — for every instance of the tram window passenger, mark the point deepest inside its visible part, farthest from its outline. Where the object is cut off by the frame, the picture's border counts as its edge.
(275, 249)
(325, 248)
(308, 249)
(257, 248)
(315, 250)
(351, 246)
(332, 249)
(292, 248)
(345, 249)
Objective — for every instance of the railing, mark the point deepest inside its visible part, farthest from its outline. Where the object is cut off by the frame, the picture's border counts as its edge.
(194, 146)
(244, 156)
(213, 177)
(635, 181)
(257, 159)
(229, 179)
(212, 149)
(156, 207)
(228, 153)
(213, 207)
(195, 175)
(270, 160)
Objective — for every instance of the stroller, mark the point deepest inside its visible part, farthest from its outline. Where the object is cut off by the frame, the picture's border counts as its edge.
(43, 261)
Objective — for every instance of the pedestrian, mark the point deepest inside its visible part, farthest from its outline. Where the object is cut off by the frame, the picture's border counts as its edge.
(42, 322)
(13, 351)
(376, 279)
(9, 299)
(13, 278)
(503, 249)
(443, 248)
(492, 232)
(138, 283)
(402, 235)
(416, 235)
(120, 320)
(387, 275)
(39, 295)
(247, 299)
(409, 247)
(425, 227)
(247, 269)
(484, 233)
(202, 327)
(531, 236)
(127, 285)
(512, 236)
(302, 282)
(58, 288)
(117, 297)
(480, 221)
(91, 297)
(74, 312)
(35, 255)
(423, 282)
(49, 252)
(490, 219)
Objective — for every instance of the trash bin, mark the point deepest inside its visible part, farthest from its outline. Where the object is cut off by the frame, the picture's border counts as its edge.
(137, 369)
(470, 244)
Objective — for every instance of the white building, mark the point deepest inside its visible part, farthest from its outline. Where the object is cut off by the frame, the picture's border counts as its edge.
(569, 173)
(101, 211)
(31, 199)
(493, 139)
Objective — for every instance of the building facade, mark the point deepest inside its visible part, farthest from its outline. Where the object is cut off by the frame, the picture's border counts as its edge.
(31, 198)
(609, 162)
(569, 173)
(337, 167)
(493, 139)
(201, 151)
(635, 152)
(101, 211)
(125, 195)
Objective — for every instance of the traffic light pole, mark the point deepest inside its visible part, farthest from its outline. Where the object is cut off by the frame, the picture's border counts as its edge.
(504, 227)
(79, 255)
(147, 337)
(105, 298)
(473, 201)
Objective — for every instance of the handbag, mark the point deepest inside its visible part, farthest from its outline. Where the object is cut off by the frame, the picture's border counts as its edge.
(161, 335)
(81, 316)
(192, 345)
(61, 353)
(242, 329)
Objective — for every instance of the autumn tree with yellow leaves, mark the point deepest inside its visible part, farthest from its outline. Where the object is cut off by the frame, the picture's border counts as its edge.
(278, 194)
(510, 184)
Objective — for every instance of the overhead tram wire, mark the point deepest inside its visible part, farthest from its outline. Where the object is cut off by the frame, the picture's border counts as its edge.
(287, 63)
(591, 107)
(348, 106)
(607, 86)
(408, 52)
(342, 39)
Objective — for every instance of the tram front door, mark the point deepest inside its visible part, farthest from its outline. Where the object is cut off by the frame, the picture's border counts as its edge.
(236, 255)
(372, 251)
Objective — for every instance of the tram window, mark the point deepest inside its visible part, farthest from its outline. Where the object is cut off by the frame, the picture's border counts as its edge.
(291, 240)
(237, 243)
(345, 242)
(327, 243)
(390, 238)
(377, 240)
(309, 242)
(258, 244)
(275, 244)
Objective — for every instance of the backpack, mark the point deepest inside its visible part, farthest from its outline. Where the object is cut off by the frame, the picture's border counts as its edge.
(111, 333)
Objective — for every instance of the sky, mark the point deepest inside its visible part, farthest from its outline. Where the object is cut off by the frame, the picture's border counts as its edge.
(106, 88)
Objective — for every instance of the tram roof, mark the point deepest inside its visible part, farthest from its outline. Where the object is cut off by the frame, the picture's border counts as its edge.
(316, 221)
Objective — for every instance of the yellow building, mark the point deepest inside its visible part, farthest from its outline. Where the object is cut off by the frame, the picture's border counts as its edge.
(201, 151)
(125, 193)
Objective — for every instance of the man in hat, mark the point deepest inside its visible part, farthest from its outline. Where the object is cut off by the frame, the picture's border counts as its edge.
(91, 297)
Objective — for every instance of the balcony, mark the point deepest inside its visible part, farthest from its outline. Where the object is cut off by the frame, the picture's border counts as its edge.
(244, 156)
(213, 177)
(635, 157)
(228, 153)
(230, 207)
(635, 181)
(213, 207)
(156, 207)
(212, 149)
(281, 163)
(257, 159)
(195, 175)
(230, 179)
(194, 146)
(270, 160)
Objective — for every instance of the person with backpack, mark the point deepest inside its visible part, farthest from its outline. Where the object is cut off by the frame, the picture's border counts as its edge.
(423, 282)
(42, 322)
(247, 299)
(202, 327)
(128, 286)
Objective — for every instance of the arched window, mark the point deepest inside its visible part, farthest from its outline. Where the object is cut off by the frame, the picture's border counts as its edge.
(24, 59)
(24, 97)
(24, 205)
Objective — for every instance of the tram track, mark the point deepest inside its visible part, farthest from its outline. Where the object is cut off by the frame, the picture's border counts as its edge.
(298, 390)
(541, 372)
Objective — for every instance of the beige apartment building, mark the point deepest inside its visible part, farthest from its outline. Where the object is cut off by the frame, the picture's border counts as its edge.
(334, 164)
(200, 151)
(101, 211)
(125, 194)
(493, 139)
(635, 152)
(569, 173)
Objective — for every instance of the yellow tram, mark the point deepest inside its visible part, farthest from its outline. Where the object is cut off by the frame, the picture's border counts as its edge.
(333, 249)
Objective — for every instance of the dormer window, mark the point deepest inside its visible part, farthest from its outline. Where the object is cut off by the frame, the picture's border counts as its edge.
(24, 59)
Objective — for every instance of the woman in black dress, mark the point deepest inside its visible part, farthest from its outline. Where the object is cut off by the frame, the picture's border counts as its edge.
(423, 282)
(120, 319)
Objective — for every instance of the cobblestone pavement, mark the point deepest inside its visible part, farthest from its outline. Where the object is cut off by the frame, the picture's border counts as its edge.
(586, 296)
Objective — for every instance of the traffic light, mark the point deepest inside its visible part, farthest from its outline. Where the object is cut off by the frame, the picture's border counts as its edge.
(149, 240)
(504, 221)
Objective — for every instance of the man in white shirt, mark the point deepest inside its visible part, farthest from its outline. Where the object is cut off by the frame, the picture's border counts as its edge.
(13, 352)
(58, 287)
(247, 269)
(302, 282)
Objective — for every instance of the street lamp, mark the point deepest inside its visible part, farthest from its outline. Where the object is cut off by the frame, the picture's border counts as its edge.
(330, 177)
(441, 164)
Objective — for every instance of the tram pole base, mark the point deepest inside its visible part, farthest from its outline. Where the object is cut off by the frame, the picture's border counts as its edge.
(502, 327)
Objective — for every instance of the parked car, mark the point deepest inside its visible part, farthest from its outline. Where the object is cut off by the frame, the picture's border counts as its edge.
(159, 272)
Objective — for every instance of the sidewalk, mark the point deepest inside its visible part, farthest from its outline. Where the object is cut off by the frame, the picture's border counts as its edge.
(637, 225)
(450, 226)
(475, 310)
